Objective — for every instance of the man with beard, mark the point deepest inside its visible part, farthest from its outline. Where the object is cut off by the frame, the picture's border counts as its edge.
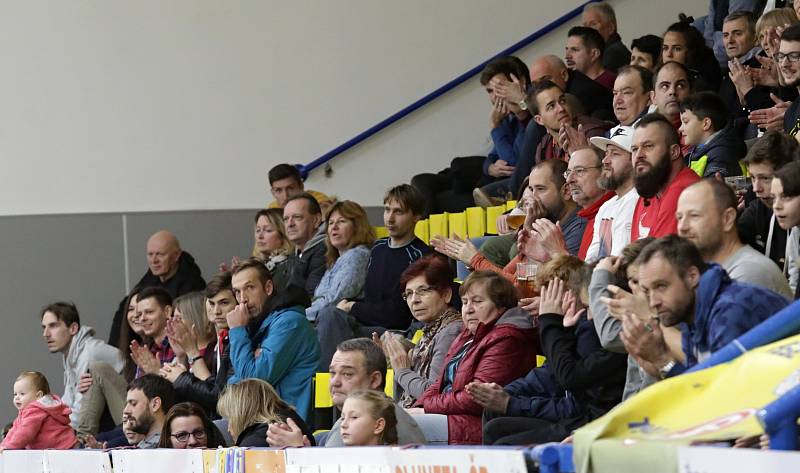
(659, 176)
(683, 289)
(707, 217)
(270, 337)
(612, 224)
(788, 61)
(147, 402)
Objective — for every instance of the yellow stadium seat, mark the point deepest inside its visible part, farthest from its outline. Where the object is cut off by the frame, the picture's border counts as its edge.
(438, 225)
(540, 361)
(381, 232)
(421, 231)
(457, 224)
(322, 395)
(491, 218)
(389, 389)
(511, 204)
(476, 222)
(416, 337)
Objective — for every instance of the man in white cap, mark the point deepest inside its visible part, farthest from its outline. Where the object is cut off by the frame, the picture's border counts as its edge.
(612, 225)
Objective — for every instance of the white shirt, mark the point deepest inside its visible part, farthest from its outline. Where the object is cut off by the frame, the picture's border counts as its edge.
(612, 226)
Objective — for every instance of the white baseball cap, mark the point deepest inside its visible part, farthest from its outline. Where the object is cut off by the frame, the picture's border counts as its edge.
(620, 135)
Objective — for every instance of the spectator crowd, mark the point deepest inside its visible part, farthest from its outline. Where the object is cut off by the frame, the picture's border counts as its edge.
(657, 219)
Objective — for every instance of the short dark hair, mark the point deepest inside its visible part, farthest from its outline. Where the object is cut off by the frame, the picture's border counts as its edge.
(679, 252)
(506, 65)
(500, 290)
(791, 33)
(662, 122)
(723, 195)
(313, 205)
(648, 44)
(748, 16)
(644, 75)
(408, 197)
(774, 147)
(282, 171)
(220, 282)
(154, 386)
(557, 168)
(537, 89)
(790, 178)
(707, 105)
(374, 358)
(590, 37)
(263, 273)
(674, 64)
(64, 311)
(158, 293)
(214, 437)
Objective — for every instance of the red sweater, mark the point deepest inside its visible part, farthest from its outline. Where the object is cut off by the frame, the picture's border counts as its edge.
(589, 213)
(502, 351)
(42, 424)
(658, 218)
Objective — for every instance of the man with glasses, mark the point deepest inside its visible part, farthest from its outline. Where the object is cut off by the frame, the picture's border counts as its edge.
(582, 175)
(788, 59)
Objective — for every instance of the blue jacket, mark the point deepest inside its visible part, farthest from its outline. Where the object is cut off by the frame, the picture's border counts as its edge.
(508, 139)
(283, 351)
(724, 310)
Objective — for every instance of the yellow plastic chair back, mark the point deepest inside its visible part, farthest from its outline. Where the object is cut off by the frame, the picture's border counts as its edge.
(511, 204)
(457, 224)
(540, 361)
(416, 337)
(476, 222)
(322, 395)
(381, 232)
(491, 218)
(421, 231)
(389, 389)
(437, 225)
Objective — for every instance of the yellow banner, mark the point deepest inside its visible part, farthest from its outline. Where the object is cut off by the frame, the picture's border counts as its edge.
(715, 404)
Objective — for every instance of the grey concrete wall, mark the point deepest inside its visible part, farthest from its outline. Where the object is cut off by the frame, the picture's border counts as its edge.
(82, 258)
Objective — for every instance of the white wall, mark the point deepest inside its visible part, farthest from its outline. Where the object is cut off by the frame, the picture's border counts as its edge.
(152, 105)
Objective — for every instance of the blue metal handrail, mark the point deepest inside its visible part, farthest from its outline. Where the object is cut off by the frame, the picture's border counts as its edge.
(307, 168)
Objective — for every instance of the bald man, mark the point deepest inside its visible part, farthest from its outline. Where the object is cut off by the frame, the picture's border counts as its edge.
(594, 98)
(169, 267)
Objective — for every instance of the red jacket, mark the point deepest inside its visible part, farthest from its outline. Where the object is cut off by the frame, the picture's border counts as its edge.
(657, 217)
(589, 213)
(41, 425)
(502, 351)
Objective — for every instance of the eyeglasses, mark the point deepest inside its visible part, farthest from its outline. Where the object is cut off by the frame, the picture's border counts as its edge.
(183, 437)
(422, 291)
(579, 172)
(791, 57)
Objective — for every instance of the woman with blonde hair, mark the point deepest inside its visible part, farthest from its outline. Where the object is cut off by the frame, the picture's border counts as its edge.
(273, 246)
(349, 240)
(250, 406)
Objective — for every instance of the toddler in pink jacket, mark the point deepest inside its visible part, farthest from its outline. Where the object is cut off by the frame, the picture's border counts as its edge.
(43, 420)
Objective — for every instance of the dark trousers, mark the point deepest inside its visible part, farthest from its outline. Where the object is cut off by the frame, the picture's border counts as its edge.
(335, 326)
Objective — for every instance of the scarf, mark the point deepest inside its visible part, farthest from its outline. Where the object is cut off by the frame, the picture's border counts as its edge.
(422, 353)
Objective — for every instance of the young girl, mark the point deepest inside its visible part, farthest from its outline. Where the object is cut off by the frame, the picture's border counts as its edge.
(43, 420)
(368, 418)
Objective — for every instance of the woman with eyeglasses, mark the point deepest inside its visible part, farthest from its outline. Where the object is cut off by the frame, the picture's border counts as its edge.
(426, 287)
(188, 426)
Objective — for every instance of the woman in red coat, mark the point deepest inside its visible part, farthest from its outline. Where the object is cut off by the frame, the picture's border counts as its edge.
(498, 344)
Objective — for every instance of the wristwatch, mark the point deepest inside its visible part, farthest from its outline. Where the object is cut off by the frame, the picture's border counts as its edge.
(664, 370)
(523, 105)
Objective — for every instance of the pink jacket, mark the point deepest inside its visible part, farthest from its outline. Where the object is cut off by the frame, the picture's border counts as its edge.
(42, 424)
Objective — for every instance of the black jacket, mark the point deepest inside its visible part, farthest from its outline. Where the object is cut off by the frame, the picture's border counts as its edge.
(596, 99)
(753, 225)
(256, 434)
(206, 392)
(581, 366)
(616, 54)
(187, 279)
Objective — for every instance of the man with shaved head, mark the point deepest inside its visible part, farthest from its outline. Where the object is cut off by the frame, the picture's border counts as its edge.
(594, 98)
(169, 267)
